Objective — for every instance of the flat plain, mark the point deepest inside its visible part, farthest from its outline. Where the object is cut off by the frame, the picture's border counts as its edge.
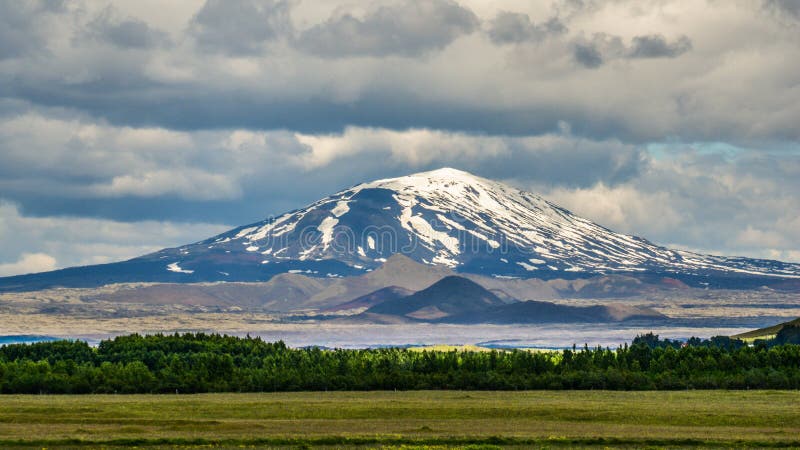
(419, 419)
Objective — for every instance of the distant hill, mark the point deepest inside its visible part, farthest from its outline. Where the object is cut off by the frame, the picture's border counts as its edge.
(767, 332)
(449, 296)
(456, 299)
(384, 295)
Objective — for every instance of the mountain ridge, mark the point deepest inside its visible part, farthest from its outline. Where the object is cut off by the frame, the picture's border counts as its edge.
(458, 300)
(444, 218)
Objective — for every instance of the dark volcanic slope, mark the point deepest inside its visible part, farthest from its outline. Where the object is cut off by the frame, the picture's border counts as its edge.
(452, 295)
(386, 294)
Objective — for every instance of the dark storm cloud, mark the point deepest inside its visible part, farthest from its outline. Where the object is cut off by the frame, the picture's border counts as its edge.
(461, 88)
(135, 101)
(573, 163)
(509, 27)
(656, 46)
(22, 30)
(240, 27)
(408, 28)
(788, 7)
(588, 56)
(601, 48)
(124, 32)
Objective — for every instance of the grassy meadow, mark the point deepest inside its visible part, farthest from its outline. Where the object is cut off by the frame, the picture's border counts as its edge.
(438, 419)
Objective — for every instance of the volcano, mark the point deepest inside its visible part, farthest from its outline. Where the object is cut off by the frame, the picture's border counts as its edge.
(445, 217)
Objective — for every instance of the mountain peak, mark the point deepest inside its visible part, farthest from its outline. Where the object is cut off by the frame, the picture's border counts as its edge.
(445, 220)
(441, 180)
(442, 173)
(452, 218)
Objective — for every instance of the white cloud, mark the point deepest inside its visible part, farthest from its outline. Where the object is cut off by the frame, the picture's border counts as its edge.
(752, 237)
(622, 208)
(30, 244)
(740, 206)
(415, 148)
(189, 184)
(29, 263)
(87, 158)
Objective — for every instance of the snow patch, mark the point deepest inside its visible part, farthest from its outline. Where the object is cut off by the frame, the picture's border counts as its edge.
(244, 232)
(174, 267)
(450, 222)
(341, 208)
(326, 228)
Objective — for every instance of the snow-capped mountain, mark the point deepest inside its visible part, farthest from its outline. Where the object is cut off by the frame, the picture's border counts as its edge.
(445, 217)
(453, 218)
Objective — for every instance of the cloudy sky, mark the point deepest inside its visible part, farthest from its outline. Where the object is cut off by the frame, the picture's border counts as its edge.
(130, 126)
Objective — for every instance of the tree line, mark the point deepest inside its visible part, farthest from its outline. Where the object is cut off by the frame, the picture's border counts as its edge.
(192, 363)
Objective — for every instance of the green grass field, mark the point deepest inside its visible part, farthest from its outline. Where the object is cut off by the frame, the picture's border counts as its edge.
(441, 419)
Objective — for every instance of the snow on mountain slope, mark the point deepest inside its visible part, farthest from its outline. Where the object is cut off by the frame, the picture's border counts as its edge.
(471, 224)
(446, 217)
